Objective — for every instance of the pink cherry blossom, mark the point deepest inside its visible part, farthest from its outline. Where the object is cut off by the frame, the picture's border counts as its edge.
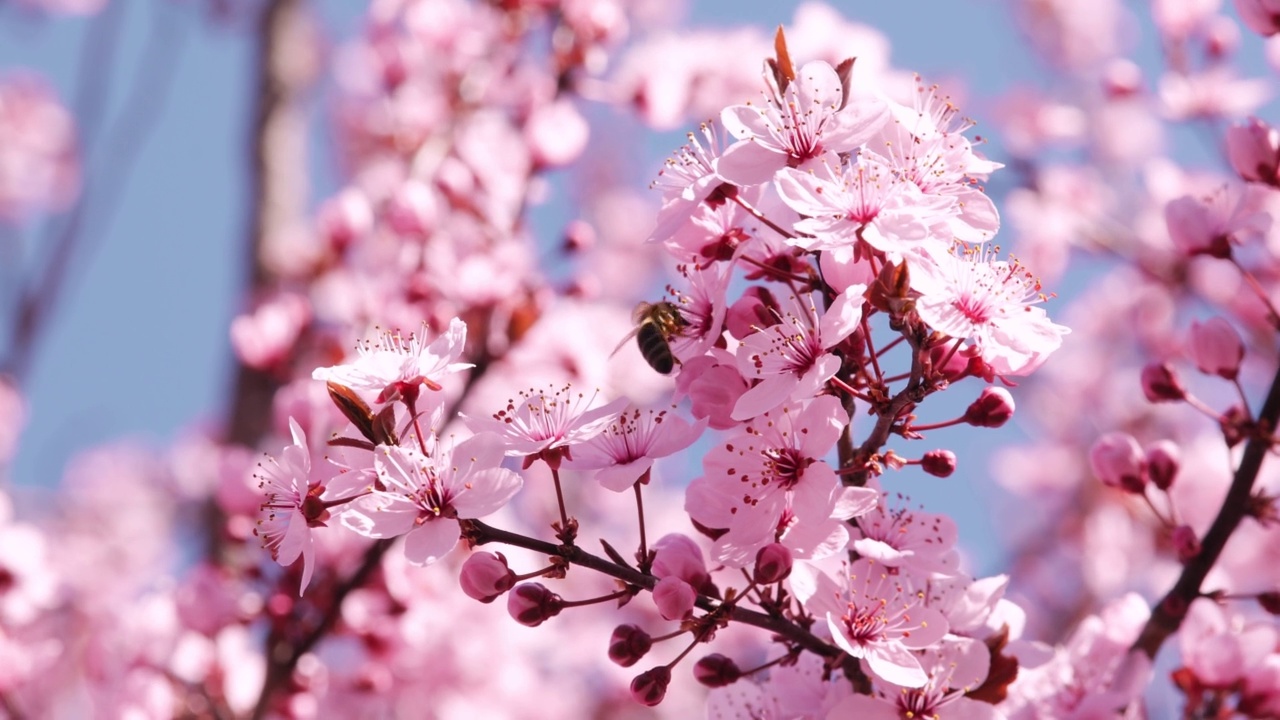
(424, 496)
(1262, 16)
(1221, 649)
(994, 304)
(791, 359)
(294, 505)
(687, 181)
(789, 692)
(874, 615)
(912, 540)
(864, 200)
(713, 385)
(548, 423)
(955, 665)
(399, 366)
(624, 451)
(1212, 223)
(811, 117)
(263, 339)
(768, 483)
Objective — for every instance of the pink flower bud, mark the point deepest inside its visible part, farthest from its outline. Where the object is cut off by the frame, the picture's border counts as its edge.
(939, 463)
(1270, 601)
(954, 366)
(716, 670)
(1161, 384)
(773, 564)
(1163, 460)
(677, 555)
(674, 598)
(1185, 543)
(1254, 150)
(650, 686)
(579, 236)
(1121, 78)
(628, 644)
(756, 309)
(713, 388)
(1216, 348)
(1261, 16)
(533, 604)
(485, 576)
(1222, 38)
(1116, 458)
(992, 409)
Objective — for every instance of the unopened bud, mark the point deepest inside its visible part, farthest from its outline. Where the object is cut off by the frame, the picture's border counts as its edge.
(1163, 460)
(628, 644)
(952, 365)
(1253, 147)
(939, 463)
(1270, 601)
(1116, 459)
(716, 670)
(485, 576)
(1185, 543)
(674, 598)
(650, 686)
(1216, 348)
(992, 409)
(533, 604)
(773, 564)
(1161, 384)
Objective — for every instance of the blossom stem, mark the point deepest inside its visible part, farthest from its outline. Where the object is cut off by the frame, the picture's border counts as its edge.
(737, 197)
(776, 272)
(565, 535)
(617, 595)
(1273, 316)
(411, 405)
(938, 425)
(1168, 614)
(871, 351)
(643, 556)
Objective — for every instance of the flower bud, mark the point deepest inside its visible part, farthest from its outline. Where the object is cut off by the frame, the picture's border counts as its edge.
(1270, 601)
(1163, 460)
(674, 598)
(1254, 150)
(485, 576)
(628, 644)
(992, 409)
(716, 670)
(952, 365)
(1185, 543)
(650, 686)
(756, 309)
(533, 604)
(1216, 348)
(344, 218)
(939, 463)
(773, 564)
(678, 555)
(1261, 16)
(1161, 384)
(1117, 460)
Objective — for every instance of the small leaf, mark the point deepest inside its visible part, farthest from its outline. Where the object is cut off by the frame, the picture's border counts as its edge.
(783, 71)
(353, 408)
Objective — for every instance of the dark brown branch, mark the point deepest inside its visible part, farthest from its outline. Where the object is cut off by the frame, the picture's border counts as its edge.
(277, 185)
(1167, 615)
(481, 534)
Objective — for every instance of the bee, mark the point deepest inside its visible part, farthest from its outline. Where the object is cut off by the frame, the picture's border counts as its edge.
(657, 324)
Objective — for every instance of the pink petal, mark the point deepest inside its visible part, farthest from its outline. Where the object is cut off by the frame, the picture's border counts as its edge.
(431, 541)
(896, 664)
(747, 163)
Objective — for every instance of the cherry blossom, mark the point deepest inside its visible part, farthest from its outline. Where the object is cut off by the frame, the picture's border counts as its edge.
(994, 304)
(767, 483)
(294, 505)
(954, 665)
(424, 496)
(810, 117)
(873, 615)
(548, 423)
(399, 366)
(624, 451)
(913, 540)
(791, 358)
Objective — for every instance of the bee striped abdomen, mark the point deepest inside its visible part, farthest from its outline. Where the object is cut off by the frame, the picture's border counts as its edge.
(655, 348)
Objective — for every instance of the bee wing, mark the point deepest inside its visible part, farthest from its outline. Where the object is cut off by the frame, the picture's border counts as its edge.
(625, 339)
